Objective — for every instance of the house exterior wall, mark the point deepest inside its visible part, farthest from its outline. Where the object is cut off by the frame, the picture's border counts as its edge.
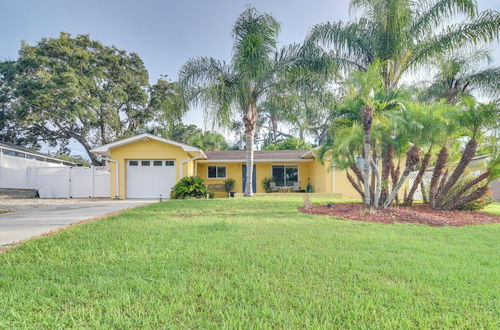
(319, 176)
(323, 177)
(149, 150)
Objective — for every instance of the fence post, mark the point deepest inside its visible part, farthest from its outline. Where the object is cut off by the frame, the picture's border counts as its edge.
(69, 181)
(93, 180)
(1, 164)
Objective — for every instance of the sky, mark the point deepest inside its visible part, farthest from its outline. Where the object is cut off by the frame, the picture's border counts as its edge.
(164, 33)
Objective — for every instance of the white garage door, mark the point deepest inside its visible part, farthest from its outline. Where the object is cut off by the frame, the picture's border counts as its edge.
(150, 178)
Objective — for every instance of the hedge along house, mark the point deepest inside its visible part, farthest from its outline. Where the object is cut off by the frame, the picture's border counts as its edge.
(147, 166)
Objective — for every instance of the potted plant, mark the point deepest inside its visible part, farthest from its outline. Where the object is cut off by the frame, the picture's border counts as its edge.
(228, 187)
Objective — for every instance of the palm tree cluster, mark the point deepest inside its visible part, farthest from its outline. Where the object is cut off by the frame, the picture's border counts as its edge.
(377, 131)
(343, 86)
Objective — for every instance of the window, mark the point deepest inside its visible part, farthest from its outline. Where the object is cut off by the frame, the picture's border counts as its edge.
(169, 163)
(157, 163)
(145, 163)
(133, 163)
(216, 172)
(285, 175)
(13, 153)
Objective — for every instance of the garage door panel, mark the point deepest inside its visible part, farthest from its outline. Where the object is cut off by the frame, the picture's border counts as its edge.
(150, 178)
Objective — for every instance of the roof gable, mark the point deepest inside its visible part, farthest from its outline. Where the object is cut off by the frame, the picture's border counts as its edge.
(105, 149)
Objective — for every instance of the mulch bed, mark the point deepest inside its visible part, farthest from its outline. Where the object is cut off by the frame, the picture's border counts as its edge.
(415, 214)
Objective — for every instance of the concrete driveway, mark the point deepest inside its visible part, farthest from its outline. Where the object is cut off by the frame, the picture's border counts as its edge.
(21, 225)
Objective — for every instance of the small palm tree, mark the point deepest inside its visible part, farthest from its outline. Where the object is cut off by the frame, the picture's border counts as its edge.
(463, 72)
(404, 34)
(243, 83)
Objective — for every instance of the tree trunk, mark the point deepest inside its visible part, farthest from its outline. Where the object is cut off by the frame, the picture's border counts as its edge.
(92, 156)
(355, 185)
(456, 201)
(378, 185)
(420, 175)
(476, 194)
(357, 172)
(367, 118)
(274, 125)
(412, 158)
(394, 178)
(467, 155)
(387, 168)
(441, 161)
(425, 198)
(250, 120)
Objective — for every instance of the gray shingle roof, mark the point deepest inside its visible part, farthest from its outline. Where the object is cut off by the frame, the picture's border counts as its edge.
(239, 155)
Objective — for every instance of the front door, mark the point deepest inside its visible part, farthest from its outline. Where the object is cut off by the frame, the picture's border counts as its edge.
(244, 178)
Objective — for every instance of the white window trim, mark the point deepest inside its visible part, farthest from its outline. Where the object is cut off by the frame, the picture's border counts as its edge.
(285, 166)
(216, 172)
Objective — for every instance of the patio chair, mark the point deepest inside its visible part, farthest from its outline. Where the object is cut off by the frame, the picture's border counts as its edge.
(296, 187)
(272, 186)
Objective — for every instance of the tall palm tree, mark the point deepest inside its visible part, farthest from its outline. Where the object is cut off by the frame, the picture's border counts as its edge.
(461, 73)
(243, 83)
(404, 34)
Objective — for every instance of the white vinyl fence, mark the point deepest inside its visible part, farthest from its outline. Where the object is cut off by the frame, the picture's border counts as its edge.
(71, 182)
(426, 182)
(14, 170)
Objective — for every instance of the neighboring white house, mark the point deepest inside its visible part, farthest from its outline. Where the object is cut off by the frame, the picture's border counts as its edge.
(15, 162)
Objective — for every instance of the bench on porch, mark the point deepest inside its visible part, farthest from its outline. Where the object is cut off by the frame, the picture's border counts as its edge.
(216, 187)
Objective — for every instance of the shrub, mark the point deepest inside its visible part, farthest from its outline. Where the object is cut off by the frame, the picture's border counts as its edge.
(480, 203)
(266, 184)
(229, 185)
(191, 187)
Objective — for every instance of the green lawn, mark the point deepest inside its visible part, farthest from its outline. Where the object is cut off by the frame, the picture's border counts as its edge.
(252, 263)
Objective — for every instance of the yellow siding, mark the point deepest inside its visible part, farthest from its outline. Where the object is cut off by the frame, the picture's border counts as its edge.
(343, 186)
(264, 170)
(323, 178)
(150, 149)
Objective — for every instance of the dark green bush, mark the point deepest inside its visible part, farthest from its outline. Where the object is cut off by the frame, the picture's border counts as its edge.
(229, 185)
(191, 187)
(266, 184)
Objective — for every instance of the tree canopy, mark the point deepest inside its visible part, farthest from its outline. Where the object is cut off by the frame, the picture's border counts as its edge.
(77, 88)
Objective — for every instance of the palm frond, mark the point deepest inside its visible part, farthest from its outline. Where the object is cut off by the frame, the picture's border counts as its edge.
(255, 36)
(431, 13)
(347, 40)
(483, 29)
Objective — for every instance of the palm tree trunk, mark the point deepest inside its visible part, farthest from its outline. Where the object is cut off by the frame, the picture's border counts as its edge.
(423, 167)
(394, 178)
(467, 199)
(250, 120)
(468, 154)
(456, 201)
(357, 172)
(355, 185)
(387, 167)
(378, 184)
(367, 118)
(436, 175)
(425, 198)
(412, 158)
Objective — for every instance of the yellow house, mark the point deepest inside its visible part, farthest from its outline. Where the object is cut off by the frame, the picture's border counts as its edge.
(147, 166)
